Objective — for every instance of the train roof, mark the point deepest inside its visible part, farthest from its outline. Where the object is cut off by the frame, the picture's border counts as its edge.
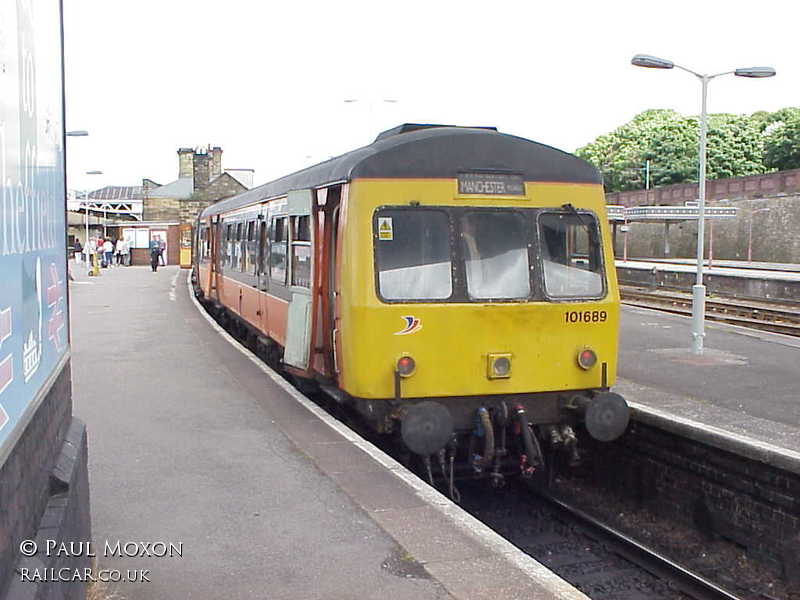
(416, 151)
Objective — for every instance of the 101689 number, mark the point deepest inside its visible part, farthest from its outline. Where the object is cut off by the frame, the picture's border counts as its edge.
(585, 316)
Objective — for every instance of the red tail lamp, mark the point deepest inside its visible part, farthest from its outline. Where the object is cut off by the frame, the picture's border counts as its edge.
(406, 366)
(587, 358)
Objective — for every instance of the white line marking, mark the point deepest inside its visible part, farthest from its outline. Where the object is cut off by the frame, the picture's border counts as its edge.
(744, 440)
(173, 285)
(455, 514)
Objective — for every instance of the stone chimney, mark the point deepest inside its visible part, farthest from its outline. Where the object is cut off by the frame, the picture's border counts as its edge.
(201, 169)
(185, 162)
(216, 162)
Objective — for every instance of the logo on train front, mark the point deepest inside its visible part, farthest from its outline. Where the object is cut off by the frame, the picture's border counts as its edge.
(413, 325)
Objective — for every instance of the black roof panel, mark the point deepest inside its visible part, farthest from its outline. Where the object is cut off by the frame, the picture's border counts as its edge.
(428, 152)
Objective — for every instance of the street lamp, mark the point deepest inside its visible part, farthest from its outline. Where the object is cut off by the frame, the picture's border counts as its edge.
(86, 210)
(699, 290)
(750, 233)
(371, 104)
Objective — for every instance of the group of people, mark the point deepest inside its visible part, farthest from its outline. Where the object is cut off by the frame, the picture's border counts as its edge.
(118, 252)
(108, 252)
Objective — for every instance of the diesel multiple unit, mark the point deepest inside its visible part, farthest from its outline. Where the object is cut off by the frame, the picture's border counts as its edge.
(455, 286)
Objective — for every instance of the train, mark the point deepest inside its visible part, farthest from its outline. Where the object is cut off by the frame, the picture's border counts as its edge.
(453, 286)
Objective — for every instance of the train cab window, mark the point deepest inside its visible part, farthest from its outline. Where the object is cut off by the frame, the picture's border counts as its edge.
(570, 250)
(495, 250)
(412, 251)
(301, 251)
(279, 237)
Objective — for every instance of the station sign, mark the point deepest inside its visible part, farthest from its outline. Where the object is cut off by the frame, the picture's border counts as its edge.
(491, 184)
(33, 295)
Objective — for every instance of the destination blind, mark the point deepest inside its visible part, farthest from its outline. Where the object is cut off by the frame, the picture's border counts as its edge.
(491, 184)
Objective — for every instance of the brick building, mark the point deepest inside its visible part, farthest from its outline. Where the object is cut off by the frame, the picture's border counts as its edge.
(173, 207)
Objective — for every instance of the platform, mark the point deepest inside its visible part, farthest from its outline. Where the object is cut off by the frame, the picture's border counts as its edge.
(193, 441)
(728, 268)
(741, 395)
(777, 282)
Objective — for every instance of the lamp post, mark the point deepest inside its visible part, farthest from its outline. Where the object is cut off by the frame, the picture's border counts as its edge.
(699, 290)
(371, 104)
(80, 133)
(86, 210)
(750, 233)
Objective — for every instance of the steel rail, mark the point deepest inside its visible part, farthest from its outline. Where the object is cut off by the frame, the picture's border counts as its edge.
(760, 316)
(686, 581)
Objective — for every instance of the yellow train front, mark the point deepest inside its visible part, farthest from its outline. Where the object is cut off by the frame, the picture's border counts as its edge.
(477, 303)
(455, 285)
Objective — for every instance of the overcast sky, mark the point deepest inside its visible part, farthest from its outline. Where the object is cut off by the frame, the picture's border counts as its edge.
(267, 80)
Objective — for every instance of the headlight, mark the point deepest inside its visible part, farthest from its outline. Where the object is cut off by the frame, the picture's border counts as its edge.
(498, 366)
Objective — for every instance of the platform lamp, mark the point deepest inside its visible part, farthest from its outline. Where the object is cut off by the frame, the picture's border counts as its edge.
(86, 207)
(699, 290)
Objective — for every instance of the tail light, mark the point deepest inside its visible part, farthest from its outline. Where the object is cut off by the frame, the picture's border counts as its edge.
(587, 359)
(406, 366)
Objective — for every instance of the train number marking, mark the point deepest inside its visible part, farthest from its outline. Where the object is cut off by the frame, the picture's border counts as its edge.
(585, 316)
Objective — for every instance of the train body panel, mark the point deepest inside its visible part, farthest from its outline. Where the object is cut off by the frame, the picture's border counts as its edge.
(451, 341)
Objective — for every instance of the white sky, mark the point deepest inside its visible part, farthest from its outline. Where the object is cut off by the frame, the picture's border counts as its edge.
(267, 80)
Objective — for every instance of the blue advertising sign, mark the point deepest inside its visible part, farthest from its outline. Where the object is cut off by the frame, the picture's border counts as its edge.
(33, 289)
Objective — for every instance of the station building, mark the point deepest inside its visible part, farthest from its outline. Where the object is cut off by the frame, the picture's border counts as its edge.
(156, 211)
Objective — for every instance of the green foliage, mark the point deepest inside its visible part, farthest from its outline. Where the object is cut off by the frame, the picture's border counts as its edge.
(782, 140)
(737, 145)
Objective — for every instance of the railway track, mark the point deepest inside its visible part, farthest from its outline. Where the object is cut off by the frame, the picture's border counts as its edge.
(599, 560)
(764, 316)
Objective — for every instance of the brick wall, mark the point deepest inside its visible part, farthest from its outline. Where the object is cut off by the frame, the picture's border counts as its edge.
(750, 503)
(44, 492)
(774, 234)
(734, 188)
(161, 209)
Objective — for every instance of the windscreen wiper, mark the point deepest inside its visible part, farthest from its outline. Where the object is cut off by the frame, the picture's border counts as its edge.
(589, 229)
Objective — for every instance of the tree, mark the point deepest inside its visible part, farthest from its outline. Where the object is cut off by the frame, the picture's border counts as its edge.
(670, 142)
(781, 139)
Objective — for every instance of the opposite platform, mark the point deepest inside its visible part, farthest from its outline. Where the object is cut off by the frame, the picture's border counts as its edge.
(741, 395)
(194, 441)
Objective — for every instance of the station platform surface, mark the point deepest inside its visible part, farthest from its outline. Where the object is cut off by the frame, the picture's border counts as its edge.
(194, 442)
(741, 394)
(731, 268)
(731, 264)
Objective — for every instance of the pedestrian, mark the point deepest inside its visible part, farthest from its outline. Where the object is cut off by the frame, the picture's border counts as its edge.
(118, 252)
(155, 252)
(78, 249)
(125, 252)
(162, 245)
(90, 249)
(108, 253)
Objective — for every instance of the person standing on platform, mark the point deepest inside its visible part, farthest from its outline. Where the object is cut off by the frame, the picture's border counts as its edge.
(162, 245)
(90, 249)
(125, 251)
(155, 252)
(108, 253)
(78, 249)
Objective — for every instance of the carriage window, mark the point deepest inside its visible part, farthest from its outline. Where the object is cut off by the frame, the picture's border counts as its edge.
(412, 249)
(571, 255)
(495, 255)
(301, 251)
(229, 237)
(277, 250)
